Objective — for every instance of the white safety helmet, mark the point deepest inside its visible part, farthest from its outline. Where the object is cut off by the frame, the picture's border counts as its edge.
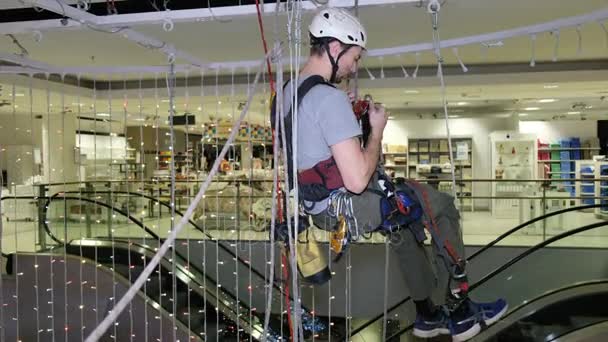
(338, 24)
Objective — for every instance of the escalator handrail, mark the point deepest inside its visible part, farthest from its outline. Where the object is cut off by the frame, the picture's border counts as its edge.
(120, 211)
(165, 204)
(520, 257)
(181, 269)
(483, 249)
(551, 293)
(44, 222)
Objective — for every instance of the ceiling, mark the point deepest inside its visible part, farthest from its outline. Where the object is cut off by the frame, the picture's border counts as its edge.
(500, 81)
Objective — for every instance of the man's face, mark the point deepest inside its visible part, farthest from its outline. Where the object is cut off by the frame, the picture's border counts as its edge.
(348, 63)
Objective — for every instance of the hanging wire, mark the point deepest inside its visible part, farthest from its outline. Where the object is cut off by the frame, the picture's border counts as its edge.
(160, 207)
(415, 74)
(171, 78)
(434, 8)
(63, 113)
(250, 219)
(204, 333)
(96, 309)
(189, 158)
(36, 221)
(139, 162)
(80, 179)
(217, 203)
(236, 220)
(51, 259)
(128, 183)
(15, 229)
(2, 326)
(462, 66)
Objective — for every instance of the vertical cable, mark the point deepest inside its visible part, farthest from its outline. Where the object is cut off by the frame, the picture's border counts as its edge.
(189, 159)
(157, 203)
(236, 219)
(15, 262)
(51, 258)
(141, 162)
(110, 217)
(36, 222)
(125, 105)
(96, 309)
(386, 269)
(171, 93)
(63, 113)
(204, 333)
(86, 206)
(217, 206)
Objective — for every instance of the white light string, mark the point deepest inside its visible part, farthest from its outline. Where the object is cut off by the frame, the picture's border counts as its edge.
(104, 325)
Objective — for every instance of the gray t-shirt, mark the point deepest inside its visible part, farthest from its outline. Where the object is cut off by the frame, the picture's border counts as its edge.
(325, 118)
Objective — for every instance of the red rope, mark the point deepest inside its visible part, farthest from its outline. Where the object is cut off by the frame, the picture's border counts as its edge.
(261, 24)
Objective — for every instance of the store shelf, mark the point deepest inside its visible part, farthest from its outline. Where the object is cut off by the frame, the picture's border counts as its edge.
(395, 153)
(569, 149)
(557, 161)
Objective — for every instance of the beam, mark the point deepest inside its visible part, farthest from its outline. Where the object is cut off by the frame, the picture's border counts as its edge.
(91, 20)
(189, 15)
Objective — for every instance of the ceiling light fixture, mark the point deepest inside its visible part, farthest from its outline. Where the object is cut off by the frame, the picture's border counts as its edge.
(103, 114)
(573, 113)
(547, 100)
(453, 116)
(531, 108)
(550, 86)
(462, 103)
(411, 91)
(523, 114)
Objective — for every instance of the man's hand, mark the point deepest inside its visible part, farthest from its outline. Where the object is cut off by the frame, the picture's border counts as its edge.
(377, 117)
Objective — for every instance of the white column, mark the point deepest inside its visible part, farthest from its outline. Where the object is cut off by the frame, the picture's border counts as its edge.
(58, 144)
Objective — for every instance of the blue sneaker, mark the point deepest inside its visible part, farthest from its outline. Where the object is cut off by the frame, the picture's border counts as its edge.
(491, 312)
(467, 321)
(427, 328)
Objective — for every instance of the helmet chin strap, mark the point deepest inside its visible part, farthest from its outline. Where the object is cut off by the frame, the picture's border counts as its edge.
(334, 62)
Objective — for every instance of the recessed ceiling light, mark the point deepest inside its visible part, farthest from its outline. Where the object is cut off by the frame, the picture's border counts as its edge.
(411, 91)
(523, 114)
(200, 108)
(531, 108)
(588, 107)
(19, 95)
(391, 117)
(453, 116)
(573, 113)
(547, 100)
(164, 101)
(462, 103)
(103, 114)
(550, 86)
(140, 119)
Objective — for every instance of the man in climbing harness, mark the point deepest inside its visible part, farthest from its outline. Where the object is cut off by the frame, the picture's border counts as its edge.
(343, 188)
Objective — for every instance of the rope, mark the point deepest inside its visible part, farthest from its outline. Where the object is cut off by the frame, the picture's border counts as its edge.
(120, 306)
(434, 8)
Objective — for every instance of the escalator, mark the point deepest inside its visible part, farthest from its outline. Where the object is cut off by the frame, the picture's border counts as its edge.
(553, 315)
(202, 281)
(521, 279)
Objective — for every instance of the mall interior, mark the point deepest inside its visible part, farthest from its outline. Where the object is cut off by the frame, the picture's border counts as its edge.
(136, 144)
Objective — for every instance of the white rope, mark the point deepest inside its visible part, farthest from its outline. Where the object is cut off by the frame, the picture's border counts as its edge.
(462, 66)
(436, 40)
(386, 269)
(104, 325)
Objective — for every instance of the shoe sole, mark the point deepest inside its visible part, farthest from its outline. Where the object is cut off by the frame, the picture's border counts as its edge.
(497, 316)
(474, 330)
(430, 333)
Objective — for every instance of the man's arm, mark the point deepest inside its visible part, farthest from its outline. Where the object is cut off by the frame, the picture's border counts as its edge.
(356, 165)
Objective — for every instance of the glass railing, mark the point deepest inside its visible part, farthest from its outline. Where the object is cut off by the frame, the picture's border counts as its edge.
(239, 209)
